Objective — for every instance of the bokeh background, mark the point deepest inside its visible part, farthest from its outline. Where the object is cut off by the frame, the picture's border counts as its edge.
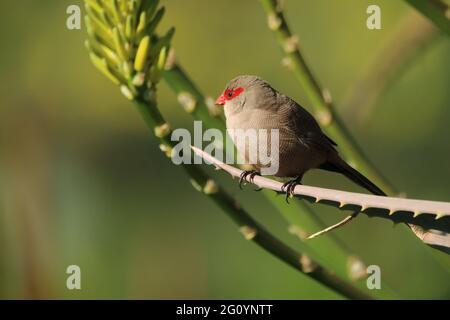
(83, 182)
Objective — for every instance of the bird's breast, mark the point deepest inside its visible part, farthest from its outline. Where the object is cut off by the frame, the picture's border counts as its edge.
(257, 132)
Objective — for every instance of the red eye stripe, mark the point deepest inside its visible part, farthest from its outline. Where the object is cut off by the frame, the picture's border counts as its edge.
(231, 94)
(228, 94)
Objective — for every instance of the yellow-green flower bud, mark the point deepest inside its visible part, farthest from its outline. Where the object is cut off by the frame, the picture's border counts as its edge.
(142, 54)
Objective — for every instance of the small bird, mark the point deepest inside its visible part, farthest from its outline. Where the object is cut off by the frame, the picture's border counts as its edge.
(251, 103)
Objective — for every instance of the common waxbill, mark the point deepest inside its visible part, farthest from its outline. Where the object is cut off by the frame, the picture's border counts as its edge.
(251, 103)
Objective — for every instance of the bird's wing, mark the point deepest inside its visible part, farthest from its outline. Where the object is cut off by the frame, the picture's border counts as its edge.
(303, 126)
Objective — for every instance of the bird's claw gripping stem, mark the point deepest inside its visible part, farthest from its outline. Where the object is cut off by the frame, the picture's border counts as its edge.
(289, 187)
(248, 173)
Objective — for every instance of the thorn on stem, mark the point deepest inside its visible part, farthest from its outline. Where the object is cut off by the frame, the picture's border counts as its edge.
(249, 233)
(356, 268)
(210, 187)
(166, 149)
(290, 45)
(288, 63)
(163, 130)
(325, 118)
(188, 101)
(307, 264)
(273, 21)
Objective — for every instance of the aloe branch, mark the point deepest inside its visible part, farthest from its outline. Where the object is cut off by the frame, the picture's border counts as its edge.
(435, 10)
(123, 47)
(424, 213)
(323, 106)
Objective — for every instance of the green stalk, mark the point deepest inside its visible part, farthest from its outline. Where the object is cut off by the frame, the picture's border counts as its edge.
(324, 109)
(435, 10)
(299, 215)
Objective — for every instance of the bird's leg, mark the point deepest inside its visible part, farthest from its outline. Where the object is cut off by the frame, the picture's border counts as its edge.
(290, 185)
(247, 173)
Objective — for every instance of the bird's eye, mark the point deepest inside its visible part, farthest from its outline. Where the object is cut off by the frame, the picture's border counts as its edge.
(232, 93)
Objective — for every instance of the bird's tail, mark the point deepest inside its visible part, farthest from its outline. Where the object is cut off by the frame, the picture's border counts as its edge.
(336, 164)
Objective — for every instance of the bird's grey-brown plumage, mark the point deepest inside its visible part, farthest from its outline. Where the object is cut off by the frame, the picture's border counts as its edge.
(302, 143)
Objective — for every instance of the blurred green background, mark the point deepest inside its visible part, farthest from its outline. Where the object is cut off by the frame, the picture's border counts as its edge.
(83, 182)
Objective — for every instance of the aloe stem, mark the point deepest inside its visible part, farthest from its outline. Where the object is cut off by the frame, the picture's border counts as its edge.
(425, 213)
(435, 10)
(324, 109)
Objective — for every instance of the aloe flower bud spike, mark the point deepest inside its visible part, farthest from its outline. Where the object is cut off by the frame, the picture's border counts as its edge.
(123, 43)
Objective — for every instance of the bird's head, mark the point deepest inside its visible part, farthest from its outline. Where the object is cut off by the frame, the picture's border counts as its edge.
(246, 92)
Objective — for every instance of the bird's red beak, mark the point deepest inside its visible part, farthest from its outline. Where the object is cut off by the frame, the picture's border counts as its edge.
(220, 100)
